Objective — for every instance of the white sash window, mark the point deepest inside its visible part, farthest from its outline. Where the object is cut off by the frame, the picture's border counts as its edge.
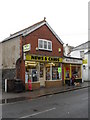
(44, 44)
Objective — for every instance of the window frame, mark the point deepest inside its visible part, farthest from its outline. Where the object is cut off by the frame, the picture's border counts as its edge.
(48, 41)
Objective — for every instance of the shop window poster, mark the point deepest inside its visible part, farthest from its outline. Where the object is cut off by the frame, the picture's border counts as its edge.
(26, 77)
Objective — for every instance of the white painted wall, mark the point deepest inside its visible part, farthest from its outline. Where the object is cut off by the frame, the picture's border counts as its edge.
(67, 50)
(10, 52)
(75, 54)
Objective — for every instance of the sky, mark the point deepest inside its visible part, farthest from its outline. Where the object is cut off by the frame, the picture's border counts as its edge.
(68, 18)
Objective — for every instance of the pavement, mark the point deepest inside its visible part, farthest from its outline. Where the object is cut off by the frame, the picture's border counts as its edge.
(13, 97)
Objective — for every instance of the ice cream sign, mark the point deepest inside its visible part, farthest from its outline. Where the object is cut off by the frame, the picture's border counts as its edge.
(26, 47)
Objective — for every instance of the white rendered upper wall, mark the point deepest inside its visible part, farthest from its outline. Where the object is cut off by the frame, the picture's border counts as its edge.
(10, 53)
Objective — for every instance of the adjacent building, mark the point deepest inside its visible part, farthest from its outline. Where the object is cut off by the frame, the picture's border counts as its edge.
(83, 51)
(67, 49)
(72, 66)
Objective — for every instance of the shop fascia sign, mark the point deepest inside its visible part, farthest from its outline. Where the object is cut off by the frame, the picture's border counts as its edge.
(67, 60)
(43, 58)
(26, 47)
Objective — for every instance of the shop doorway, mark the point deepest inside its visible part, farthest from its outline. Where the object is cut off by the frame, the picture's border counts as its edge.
(34, 75)
(42, 78)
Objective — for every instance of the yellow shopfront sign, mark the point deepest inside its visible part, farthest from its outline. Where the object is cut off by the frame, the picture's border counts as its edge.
(43, 58)
(85, 61)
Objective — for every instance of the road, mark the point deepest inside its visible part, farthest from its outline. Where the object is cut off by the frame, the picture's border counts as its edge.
(72, 104)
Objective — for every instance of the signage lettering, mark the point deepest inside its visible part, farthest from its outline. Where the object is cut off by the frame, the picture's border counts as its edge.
(43, 58)
(67, 60)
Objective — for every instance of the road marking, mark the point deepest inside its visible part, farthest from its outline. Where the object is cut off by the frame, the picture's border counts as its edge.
(68, 112)
(37, 113)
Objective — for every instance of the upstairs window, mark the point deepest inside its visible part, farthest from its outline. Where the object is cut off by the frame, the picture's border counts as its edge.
(45, 44)
(41, 44)
(49, 45)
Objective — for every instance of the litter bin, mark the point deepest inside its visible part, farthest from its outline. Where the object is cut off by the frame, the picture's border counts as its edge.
(10, 85)
(19, 86)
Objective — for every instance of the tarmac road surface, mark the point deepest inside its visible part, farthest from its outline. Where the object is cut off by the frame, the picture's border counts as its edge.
(72, 104)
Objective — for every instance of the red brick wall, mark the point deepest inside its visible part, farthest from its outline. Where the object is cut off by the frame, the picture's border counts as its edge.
(43, 33)
(20, 65)
(20, 70)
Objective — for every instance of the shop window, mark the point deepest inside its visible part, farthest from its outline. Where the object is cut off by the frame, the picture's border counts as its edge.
(76, 71)
(45, 44)
(67, 72)
(48, 73)
(32, 72)
(41, 70)
(34, 75)
(55, 74)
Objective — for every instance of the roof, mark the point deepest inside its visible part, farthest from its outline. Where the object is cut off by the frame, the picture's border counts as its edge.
(82, 46)
(88, 52)
(32, 28)
(72, 57)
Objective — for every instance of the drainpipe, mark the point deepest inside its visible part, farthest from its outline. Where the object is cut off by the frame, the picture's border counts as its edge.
(5, 85)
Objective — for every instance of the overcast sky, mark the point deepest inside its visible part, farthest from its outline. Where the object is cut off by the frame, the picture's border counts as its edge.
(68, 18)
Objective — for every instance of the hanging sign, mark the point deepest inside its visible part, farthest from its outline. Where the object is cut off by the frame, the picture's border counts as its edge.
(26, 47)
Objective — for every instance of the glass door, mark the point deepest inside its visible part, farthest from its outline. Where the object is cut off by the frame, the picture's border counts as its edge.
(42, 80)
